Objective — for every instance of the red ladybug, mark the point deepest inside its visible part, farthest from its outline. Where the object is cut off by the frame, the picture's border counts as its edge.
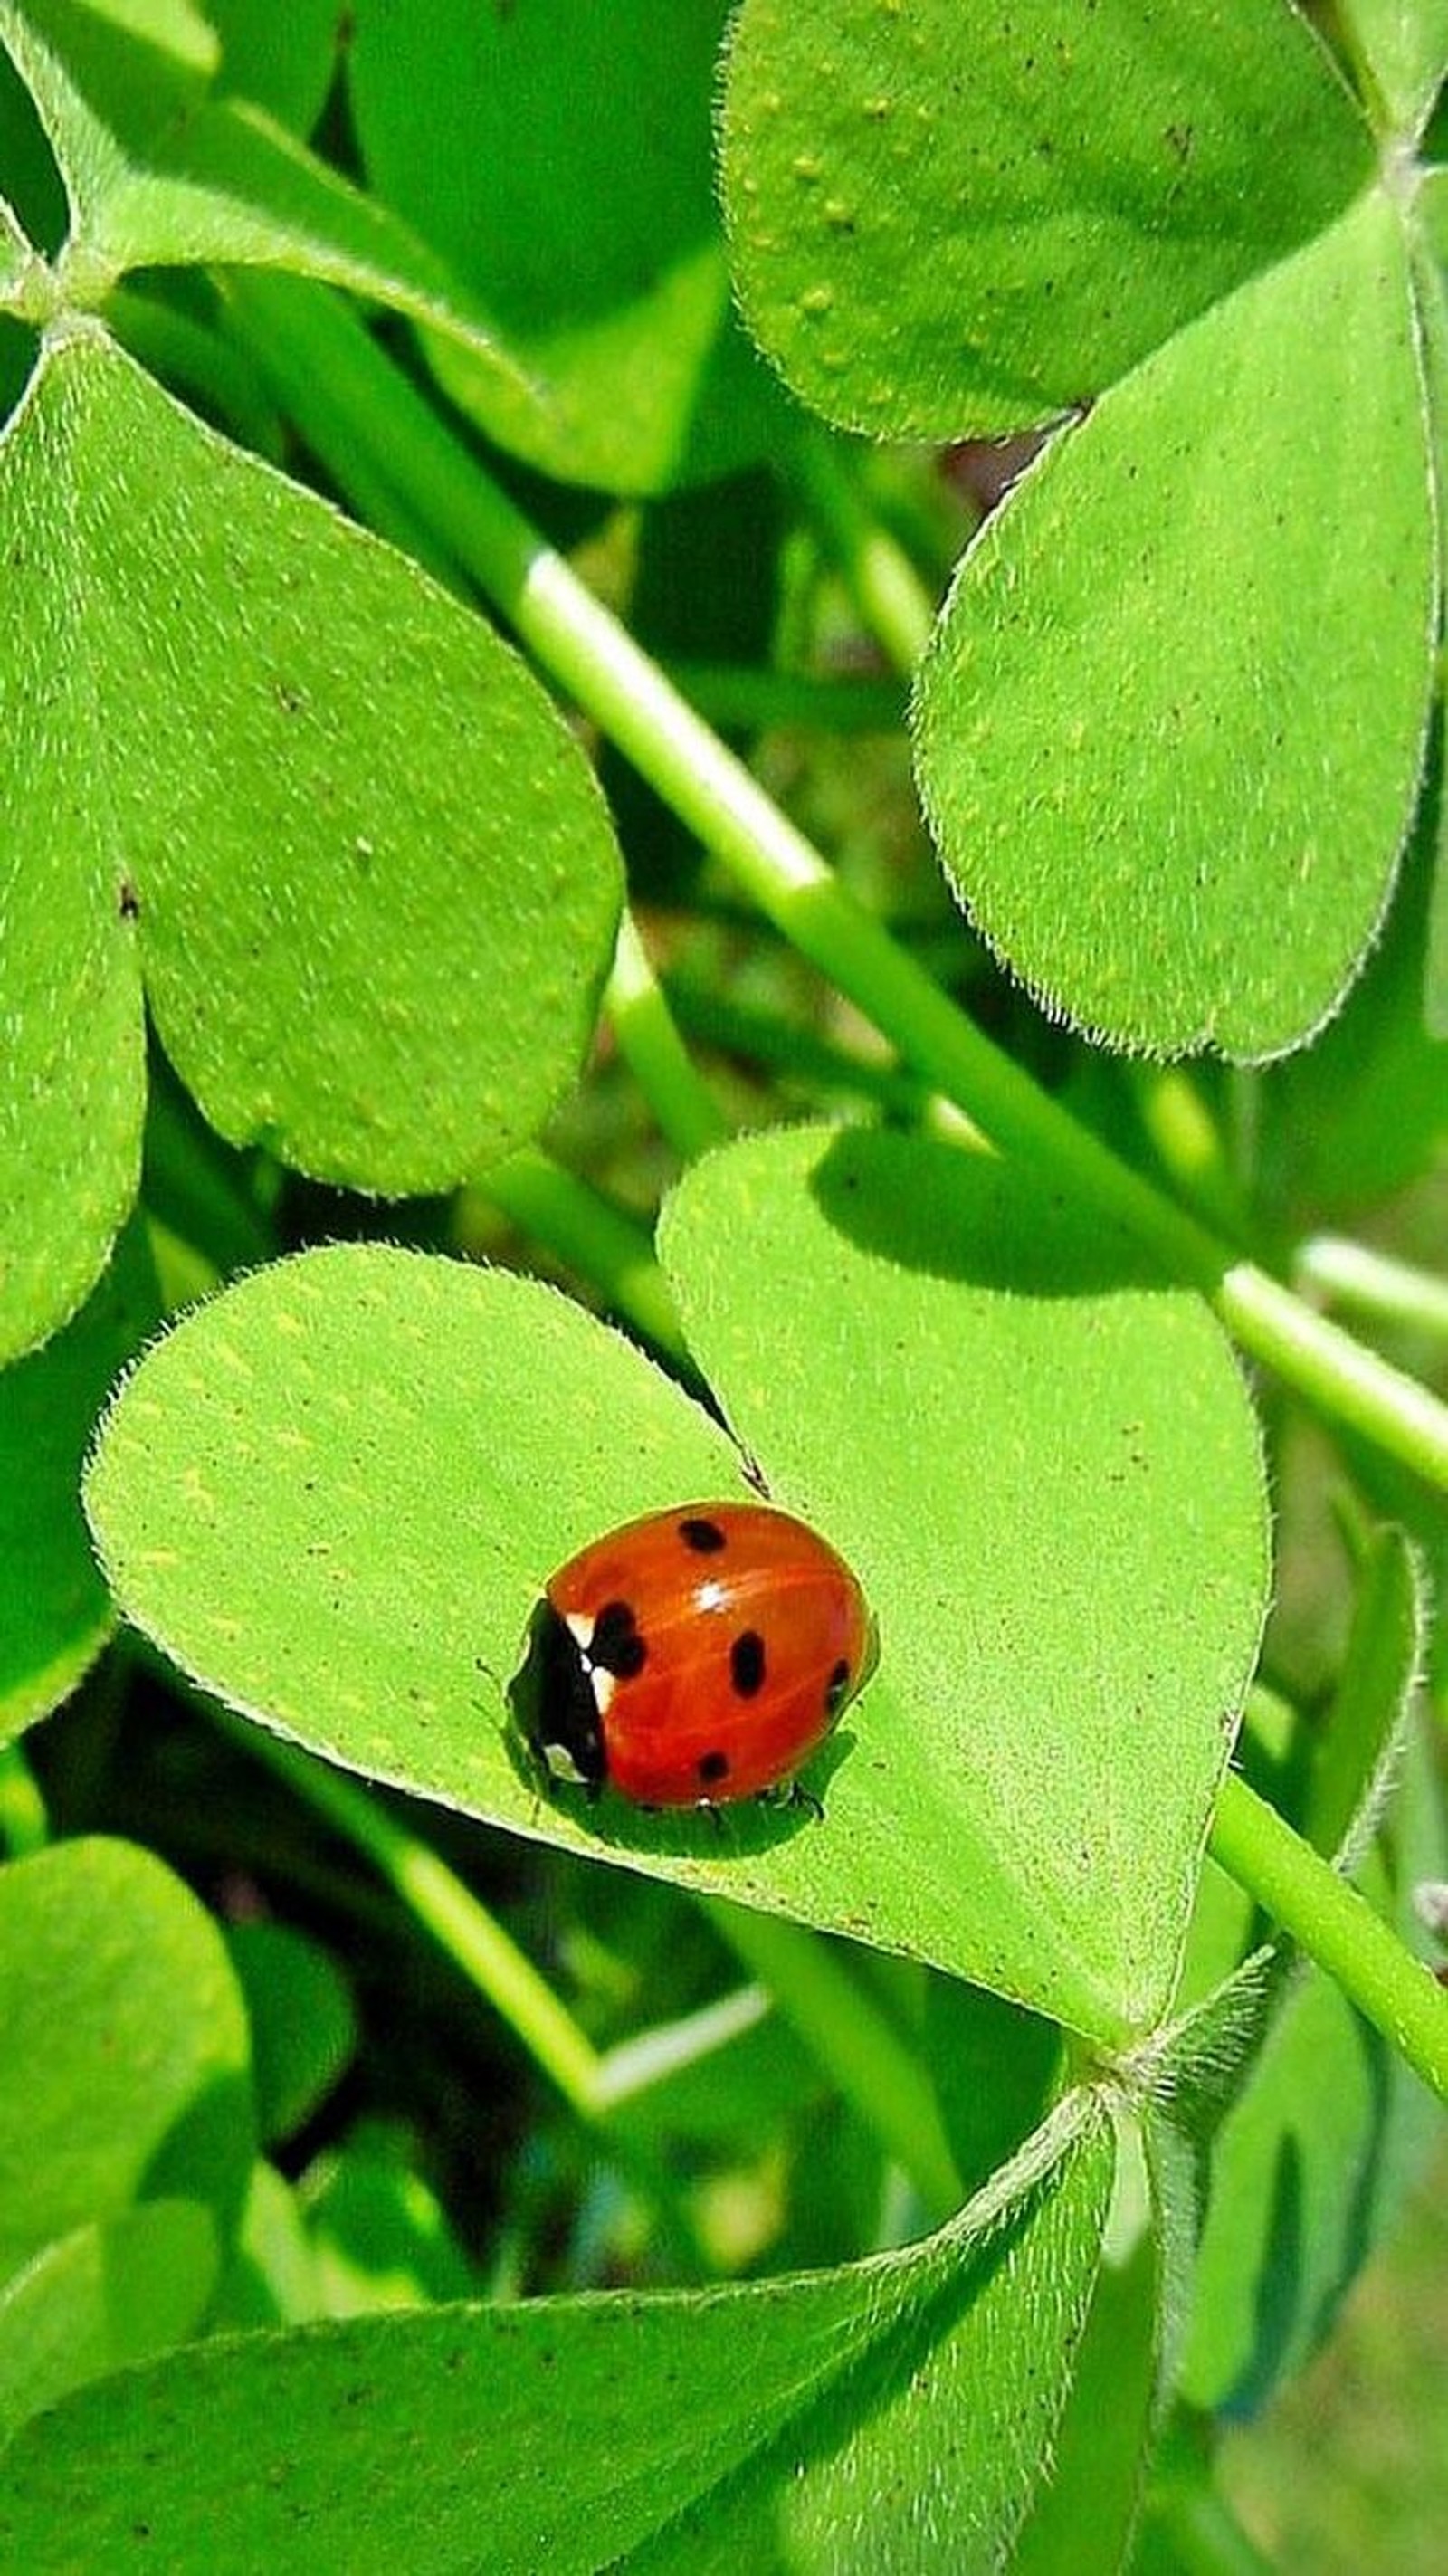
(696, 1655)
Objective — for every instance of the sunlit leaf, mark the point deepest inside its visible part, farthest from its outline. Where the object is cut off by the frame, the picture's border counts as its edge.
(369, 885)
(950, 222)
(1125, 719)
(905, 2403)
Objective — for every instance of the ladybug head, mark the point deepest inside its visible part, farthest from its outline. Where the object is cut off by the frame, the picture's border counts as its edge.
(558, 1703)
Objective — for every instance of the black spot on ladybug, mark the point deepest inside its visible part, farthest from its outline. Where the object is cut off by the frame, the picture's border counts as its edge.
(615, 1645)
(713, 1768)
(746, 1663)
(837, 1686)
(705, 1538)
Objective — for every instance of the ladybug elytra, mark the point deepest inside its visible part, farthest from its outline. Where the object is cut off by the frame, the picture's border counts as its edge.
(698, 1655)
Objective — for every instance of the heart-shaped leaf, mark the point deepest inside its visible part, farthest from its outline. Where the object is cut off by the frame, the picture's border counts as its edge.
(1124, 720)
(920, 2389)
(370, 885)
(1043, 1464)
(1023, 1792)
(1131, 739)
(948, 223)
(1405, 46)
(334, 1495)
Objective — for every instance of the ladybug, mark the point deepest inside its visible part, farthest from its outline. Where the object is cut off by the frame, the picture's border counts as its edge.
(696, 1655)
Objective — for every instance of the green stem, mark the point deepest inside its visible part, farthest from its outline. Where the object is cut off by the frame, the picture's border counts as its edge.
(1335, 1926)
(738, 698)
(1371, 1283)
(656, 1054)
(1348, 1383)
(1189, 1145)
(881, 580)
(591, 1237)
(476, 1943)
(657, 2055)
(471, 1937)
(849, 2036)
(346, 394)
(786, 1047)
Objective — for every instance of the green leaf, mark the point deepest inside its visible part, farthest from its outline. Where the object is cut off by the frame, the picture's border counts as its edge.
(1125, 720)
(1314, 2159)
(889, 2403)
(1405, 47)
(279, 59)
(175, 27)
(1361, 1740)
(103, 90)
(156, 175)
(54, 1613)
(116, 2291)
(31, 189)
(1082, 2521)
(558, 157)
(1435, 973)
(362, 1575)
(72, 1072)
(272, 2278)
(360, 1570)
(380, 2238)
(123, 2055)
(303, 2022)
(1067, 1623)
(996, 2070)
(945, 224)
(1433, 305)
(1364, 1110)
(372, 886)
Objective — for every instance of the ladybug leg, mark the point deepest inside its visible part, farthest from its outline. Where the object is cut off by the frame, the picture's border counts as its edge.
(790, 1793)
